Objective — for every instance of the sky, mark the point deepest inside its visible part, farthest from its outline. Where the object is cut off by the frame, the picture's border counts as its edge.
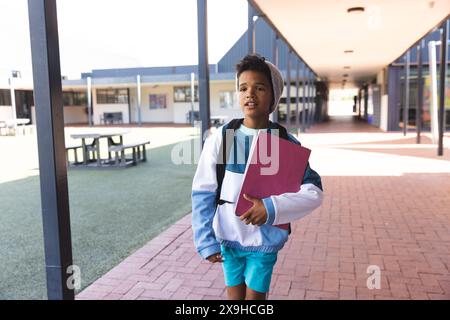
(102, 34)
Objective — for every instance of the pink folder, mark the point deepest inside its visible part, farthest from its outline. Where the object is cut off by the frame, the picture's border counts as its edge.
(267, 174)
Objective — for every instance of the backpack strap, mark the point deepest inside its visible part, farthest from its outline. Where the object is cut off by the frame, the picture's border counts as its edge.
(224, 152)
(281, 130)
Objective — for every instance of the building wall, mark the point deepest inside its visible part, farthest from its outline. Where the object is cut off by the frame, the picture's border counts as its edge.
(100, 108)
(216, 110)
(176, 112)
(72, 115)
(5, 113)
(264, 47)
(75, 114)
(156, 115)
(181, 109)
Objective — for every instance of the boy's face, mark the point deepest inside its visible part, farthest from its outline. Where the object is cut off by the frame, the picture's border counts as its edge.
(255, 94)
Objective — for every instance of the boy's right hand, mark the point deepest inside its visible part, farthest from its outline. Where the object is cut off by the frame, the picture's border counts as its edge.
(216, 257)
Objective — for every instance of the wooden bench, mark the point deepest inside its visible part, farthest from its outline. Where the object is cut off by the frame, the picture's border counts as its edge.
(137, 154)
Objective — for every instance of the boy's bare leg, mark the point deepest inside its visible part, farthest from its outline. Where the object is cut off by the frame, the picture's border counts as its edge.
(254, 295)
(236, 292)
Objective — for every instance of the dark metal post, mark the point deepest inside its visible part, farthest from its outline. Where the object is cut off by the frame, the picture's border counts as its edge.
(139, 99)
(51, 148)
(359, 102)
(203, 67)
(288, 90)
(304, 98)
(275, 62)
(419, 107)
(406, 105)
(394, 101)
(442, 82)
(251, 29)
(366, 101)
(297, 98)
(89, 100)
(308, 122)
(313, 100)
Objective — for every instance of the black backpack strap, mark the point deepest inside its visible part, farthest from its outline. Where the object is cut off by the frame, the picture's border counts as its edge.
(224, 151)
(282, 130)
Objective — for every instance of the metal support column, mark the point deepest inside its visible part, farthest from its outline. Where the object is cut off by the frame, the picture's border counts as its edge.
(297, 98)
(89, 100)
(304, 98)
(275, 62)
(139, 111)
(419, 106)
(434, 109)
(442, 83)
(406, 104)
(13, 103)
(52, 158)
(192, 118)
(308, 122)
(203, 67)
(251, 29)
(313, 99)
(288, 90)
(359, 102)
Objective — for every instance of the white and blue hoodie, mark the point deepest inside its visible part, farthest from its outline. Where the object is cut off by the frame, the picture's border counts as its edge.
(213, 227)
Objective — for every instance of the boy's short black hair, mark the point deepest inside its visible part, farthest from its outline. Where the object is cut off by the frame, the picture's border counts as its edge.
(254, 62)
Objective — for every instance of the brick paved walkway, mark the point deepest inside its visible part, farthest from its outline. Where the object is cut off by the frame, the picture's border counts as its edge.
(387, 203)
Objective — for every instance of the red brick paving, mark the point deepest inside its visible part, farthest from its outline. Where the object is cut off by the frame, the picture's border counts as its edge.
(400, 223)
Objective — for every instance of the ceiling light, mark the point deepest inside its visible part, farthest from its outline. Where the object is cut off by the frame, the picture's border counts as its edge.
(355, 9)
(345, 75)
(346, 67)
(348, 51)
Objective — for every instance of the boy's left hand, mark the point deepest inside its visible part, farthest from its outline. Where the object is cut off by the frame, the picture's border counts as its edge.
(257, 214)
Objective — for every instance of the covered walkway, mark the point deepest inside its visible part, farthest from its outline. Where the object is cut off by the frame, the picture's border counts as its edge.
(386, 205)
(386, 197)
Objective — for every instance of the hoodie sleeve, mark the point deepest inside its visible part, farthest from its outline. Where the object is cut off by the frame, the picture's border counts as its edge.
(204, 189)
(291, 206)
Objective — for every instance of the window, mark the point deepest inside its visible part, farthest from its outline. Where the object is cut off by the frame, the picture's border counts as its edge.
(110, 96)
(157, 101)
(227, 99)
(183, 94)
(73, 98)
(16, 74)
(5, 97)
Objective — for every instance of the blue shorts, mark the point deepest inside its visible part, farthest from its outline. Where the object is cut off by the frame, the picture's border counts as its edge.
(252, 268)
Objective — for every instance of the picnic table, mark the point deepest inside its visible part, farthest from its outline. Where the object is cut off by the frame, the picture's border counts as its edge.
(114, 140)
(94, 147)
(19, 124)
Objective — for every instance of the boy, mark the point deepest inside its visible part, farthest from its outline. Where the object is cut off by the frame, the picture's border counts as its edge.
(246, 245)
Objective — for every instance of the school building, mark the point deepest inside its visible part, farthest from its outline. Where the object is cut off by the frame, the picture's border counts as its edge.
(163, 94)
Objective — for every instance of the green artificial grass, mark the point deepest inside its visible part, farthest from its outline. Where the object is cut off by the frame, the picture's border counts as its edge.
(113, 213)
